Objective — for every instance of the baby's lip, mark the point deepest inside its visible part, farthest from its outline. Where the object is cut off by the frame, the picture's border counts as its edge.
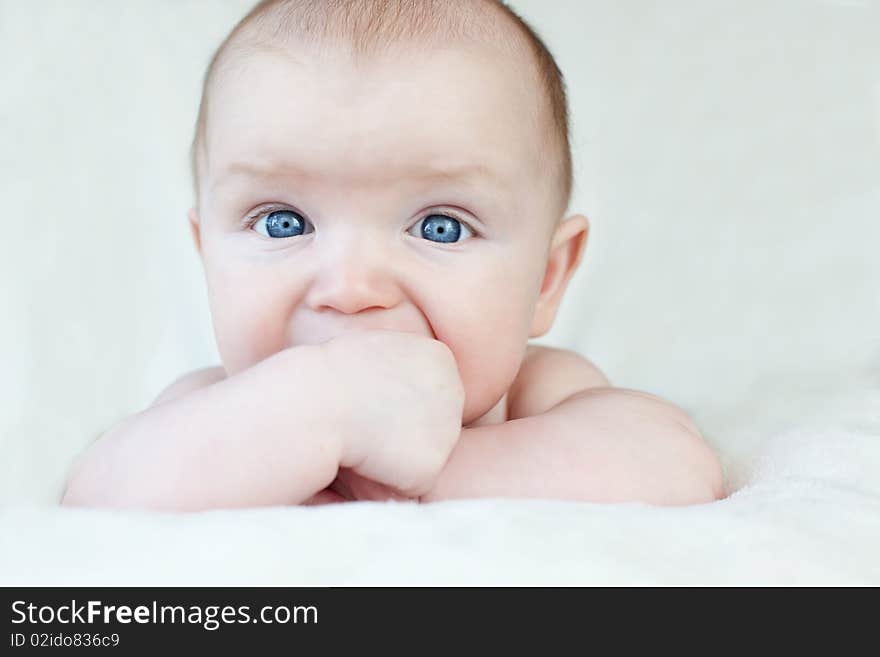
(352, 329)
(318, 330)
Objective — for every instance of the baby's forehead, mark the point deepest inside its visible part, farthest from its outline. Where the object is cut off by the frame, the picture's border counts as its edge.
(444, 105)
(395, 63)
(395, 107)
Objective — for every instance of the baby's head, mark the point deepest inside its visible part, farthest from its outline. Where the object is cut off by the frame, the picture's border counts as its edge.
(397, 164)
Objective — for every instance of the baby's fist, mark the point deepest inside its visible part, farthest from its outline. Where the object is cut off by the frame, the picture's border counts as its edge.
(402, 401)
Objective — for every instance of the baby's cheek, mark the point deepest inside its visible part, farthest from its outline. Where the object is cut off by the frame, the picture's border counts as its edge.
(487, 370)
(249, 326)
(488, 334)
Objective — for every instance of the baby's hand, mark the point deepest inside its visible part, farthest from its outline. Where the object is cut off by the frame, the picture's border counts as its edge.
(401, 402)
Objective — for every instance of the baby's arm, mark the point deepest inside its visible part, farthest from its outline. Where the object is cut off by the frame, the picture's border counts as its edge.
(278, 433)
(599, 445)
(250, 440)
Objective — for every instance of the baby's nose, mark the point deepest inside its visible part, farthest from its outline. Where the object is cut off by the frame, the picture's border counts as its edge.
(356, 276)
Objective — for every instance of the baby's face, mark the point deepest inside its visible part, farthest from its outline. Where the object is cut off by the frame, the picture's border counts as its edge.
(406, 195)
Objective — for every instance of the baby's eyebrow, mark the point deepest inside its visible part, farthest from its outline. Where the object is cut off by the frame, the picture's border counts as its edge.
(476, 173)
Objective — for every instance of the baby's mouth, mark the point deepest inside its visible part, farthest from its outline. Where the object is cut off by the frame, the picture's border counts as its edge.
(381, 328)
(317, 330)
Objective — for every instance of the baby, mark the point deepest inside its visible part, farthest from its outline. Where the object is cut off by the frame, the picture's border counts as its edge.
(381, 190)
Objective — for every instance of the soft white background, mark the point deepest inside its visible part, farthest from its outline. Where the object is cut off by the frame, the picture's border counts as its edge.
(727, 154)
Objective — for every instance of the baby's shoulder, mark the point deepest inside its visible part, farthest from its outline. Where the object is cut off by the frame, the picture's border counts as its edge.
(190, 382)
(548, 376)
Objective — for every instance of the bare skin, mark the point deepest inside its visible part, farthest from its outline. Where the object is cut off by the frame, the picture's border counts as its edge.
(362, 359)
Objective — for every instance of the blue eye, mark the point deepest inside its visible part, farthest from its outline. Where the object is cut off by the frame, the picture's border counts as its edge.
(281, 223)
(442, 228)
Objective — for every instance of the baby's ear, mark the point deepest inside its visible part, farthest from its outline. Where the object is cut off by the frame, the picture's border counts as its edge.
(566, 251)
(193, 215)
